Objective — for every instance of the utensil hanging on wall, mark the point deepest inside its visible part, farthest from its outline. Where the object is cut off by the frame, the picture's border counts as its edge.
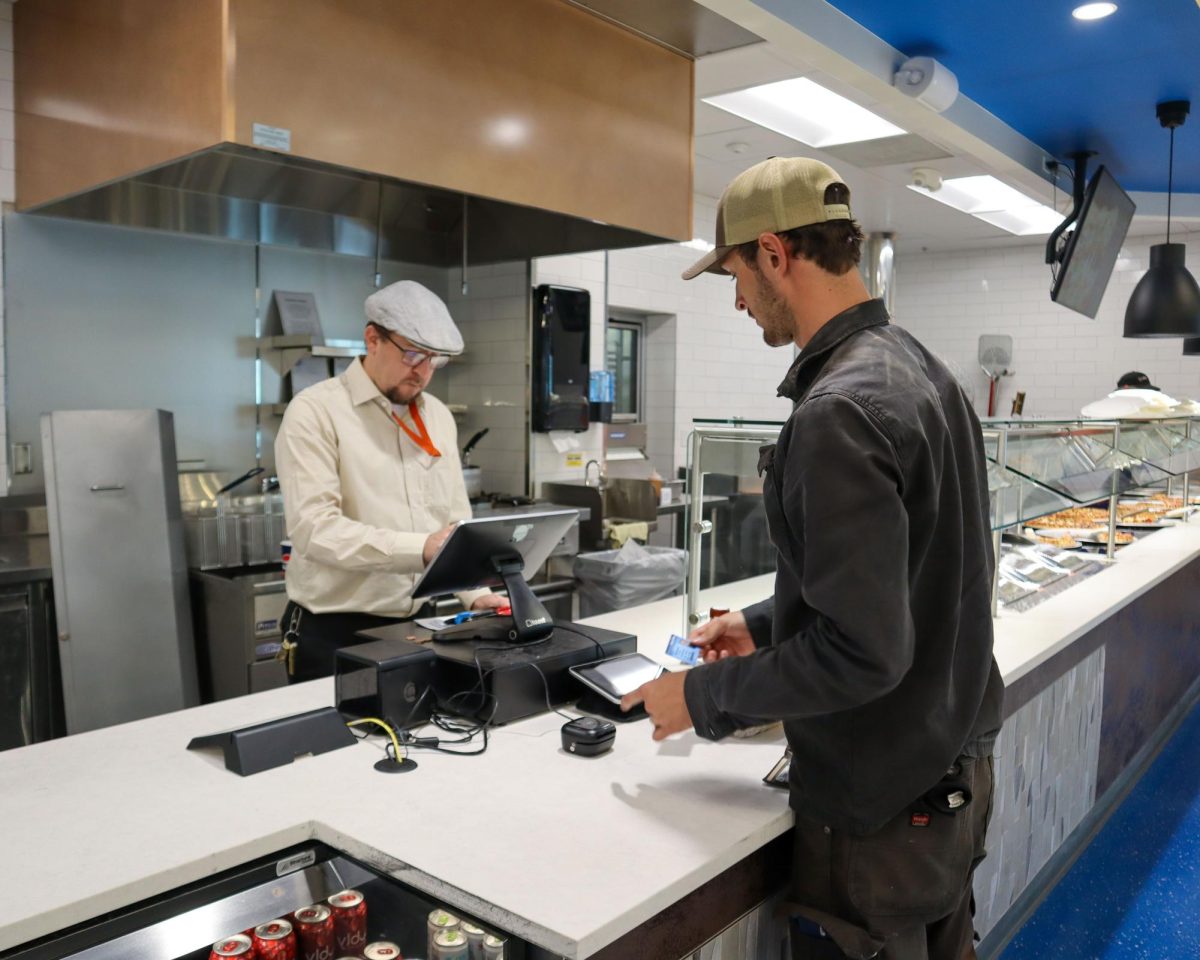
(995, 357)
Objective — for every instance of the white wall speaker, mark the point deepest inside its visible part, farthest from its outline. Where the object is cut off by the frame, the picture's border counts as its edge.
(927, 81)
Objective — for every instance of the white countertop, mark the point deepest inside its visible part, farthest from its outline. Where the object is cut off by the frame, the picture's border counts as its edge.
(568, 852)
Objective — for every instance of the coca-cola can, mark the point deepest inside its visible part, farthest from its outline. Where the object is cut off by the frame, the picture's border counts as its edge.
(238, 946)
(349, 921)
(439, 920)
(493, 947)
(449, 945)
(274, 940)
(382, 950)
(315, 935)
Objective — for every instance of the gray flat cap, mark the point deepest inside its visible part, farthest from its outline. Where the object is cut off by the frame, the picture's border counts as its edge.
(417, 314)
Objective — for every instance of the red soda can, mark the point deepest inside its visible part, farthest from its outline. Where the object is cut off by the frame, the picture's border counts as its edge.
(349, 921)
(382, 950)
(315, 937)
(274, 941)
(235, 947)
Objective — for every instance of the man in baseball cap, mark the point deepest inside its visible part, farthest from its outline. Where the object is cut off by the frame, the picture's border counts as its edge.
(876, 649)
(371, 479)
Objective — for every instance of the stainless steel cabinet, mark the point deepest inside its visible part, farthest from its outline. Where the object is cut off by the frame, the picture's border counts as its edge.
(238, 627)
(30, 693)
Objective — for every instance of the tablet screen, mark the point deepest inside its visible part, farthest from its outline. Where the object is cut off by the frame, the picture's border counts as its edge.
(621, 675)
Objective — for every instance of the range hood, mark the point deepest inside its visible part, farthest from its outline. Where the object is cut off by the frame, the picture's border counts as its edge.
(241, 193)
(396, 129)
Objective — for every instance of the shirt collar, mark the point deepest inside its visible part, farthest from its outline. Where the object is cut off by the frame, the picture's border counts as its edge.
(363, 390)
(869, 313)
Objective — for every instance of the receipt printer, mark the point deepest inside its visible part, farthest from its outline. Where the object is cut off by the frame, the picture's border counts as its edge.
(388, 679)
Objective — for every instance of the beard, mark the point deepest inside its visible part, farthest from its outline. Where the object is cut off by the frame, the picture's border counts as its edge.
(404, 393)
(773, 316)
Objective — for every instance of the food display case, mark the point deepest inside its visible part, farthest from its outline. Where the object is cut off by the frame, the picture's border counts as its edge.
(1064, 495)
(1059, 486)
(214, 916)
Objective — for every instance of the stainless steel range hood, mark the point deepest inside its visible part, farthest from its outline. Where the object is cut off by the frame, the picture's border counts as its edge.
(390, 128)
(242, 193)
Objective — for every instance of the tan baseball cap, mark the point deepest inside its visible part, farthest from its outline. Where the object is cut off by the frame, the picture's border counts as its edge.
(773, 196)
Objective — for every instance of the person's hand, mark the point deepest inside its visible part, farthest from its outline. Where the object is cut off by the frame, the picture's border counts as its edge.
(490, 601)
(664, 702)
(724, 636)
(433, 543)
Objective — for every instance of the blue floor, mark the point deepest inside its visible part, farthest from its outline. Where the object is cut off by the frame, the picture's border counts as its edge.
(1135, 891)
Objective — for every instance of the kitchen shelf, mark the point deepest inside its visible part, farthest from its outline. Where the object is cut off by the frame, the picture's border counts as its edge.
(284, 352)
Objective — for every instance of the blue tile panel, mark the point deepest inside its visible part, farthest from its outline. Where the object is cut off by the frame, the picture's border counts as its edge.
(1046, 759)
(1134, 894)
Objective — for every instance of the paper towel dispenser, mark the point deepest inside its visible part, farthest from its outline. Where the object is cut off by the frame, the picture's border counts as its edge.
(561, 348)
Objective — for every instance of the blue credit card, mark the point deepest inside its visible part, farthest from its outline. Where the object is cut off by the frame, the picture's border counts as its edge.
(683, 651)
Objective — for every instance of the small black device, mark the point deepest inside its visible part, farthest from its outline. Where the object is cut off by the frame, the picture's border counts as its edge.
(614, 677)
(273, 743)
(588, 736)
(562, 323)
(392, 680)
(499, 552)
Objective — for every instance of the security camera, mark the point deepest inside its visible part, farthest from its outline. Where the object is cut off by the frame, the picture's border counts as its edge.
(927, 179)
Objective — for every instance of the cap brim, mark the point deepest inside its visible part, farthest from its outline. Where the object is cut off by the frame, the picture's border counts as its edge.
(709, 263)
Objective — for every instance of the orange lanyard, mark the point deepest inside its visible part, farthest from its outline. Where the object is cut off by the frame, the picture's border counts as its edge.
(421, 439)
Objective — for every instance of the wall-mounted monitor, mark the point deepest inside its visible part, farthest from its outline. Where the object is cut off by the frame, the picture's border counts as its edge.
(1092, 247)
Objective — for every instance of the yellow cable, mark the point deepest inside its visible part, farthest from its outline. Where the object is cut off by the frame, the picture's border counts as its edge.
(390, 732)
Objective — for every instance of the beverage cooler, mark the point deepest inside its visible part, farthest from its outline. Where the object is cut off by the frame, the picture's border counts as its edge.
(313, 891)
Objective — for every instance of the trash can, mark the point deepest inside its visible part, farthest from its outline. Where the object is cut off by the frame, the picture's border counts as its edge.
(615, 579)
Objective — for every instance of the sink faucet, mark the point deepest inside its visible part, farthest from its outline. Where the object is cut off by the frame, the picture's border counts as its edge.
(599, 474)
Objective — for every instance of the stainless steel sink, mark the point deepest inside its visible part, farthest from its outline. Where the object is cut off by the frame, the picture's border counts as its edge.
(619, 500)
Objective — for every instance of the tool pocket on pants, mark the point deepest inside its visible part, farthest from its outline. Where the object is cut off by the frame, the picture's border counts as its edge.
(915, 867)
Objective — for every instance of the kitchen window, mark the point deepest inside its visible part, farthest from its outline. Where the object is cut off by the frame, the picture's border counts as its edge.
(623, 358)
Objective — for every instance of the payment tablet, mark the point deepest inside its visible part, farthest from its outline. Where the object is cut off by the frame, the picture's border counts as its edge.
(617, 676)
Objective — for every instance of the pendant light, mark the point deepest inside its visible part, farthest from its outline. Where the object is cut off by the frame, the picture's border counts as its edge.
(1191, 347)
(1166, 301)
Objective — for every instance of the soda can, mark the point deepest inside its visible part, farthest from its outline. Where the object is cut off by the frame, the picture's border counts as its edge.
(439, 920)
(493, 947)
(382, 950)
(349, 921)
(315, 937)
(449, 945)
(474, 937)
(235, 947)
(274, 941)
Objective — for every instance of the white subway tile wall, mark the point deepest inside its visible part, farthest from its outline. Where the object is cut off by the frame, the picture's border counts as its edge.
(1061, 359)
(491, 379)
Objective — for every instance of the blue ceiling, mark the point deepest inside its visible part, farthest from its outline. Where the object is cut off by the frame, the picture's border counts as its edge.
(1063, 83)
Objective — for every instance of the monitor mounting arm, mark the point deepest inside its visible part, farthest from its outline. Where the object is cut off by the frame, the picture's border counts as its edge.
(1079, 182)
(530, 620)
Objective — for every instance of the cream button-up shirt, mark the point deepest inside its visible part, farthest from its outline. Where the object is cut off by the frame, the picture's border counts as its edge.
(361, 497)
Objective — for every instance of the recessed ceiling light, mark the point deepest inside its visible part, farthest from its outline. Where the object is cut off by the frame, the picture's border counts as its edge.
(996, 203)
(1094, 11)
(805, 111)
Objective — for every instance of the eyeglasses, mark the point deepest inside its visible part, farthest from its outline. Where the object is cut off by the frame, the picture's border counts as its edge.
(414, 358)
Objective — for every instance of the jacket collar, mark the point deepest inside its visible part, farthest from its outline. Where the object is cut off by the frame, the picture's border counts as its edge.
(869, 313)
(362, 388)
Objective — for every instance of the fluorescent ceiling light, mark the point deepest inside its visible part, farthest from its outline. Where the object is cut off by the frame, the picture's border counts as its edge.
(996, 203)
(698, 243)
(1094, 11)
(805, 111)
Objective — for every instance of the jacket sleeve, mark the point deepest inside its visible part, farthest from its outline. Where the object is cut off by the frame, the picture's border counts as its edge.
(306, 457)
(841, 489)
(759, 620)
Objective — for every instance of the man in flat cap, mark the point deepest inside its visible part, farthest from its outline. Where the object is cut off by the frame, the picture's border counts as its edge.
(876, 649)
(372, 484)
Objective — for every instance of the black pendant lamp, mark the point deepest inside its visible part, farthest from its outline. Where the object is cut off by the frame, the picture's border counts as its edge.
(1166, 301)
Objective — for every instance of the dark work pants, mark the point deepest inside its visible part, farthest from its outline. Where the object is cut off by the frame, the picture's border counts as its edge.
(900, 893)
(320, 634)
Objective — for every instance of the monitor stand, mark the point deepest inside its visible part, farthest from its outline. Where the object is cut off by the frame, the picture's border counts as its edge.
(531, 622)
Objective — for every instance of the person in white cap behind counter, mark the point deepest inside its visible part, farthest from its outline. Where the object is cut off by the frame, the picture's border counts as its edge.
(372, 484)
